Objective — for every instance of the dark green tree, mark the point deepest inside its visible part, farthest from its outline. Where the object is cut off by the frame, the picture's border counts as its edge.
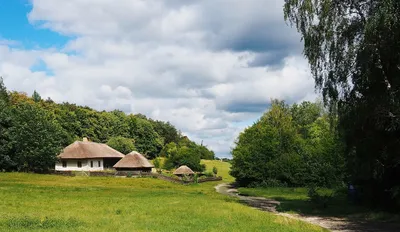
(6, 163)
(35, 138)
(147, 141)
(353, 49)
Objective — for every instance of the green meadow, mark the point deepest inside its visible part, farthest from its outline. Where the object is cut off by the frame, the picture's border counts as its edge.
(34, 202)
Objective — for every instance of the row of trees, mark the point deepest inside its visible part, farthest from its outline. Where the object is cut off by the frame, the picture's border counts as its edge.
(289, 146)
(33, 131)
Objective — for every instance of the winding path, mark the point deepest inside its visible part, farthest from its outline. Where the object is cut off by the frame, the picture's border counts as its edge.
(331, 223)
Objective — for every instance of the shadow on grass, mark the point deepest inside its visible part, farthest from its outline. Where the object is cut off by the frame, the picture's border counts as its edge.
(338, 206)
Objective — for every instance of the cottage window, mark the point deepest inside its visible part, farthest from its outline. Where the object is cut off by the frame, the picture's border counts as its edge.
(99, 163)
(79, 164)
(91, 164)
(64, 164)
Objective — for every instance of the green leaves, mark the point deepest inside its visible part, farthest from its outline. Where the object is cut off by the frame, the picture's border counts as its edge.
(33, 132)
(353, 49)
(290, 145)
(121, 144)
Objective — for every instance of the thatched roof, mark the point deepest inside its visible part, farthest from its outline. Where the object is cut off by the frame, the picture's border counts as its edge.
(183, 170)
(133, 160)
(89, 150)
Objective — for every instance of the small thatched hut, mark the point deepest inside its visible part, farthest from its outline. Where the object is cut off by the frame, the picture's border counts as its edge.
(183, 170)
(134, 161)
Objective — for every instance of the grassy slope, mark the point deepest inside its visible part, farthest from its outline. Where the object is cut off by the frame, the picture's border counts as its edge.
(125, 204)
(223, 169)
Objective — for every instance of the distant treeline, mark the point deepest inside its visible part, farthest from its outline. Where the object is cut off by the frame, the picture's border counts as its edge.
(293, 145)
(33, 131)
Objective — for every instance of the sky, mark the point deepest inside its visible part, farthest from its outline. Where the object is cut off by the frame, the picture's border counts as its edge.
(210, 67)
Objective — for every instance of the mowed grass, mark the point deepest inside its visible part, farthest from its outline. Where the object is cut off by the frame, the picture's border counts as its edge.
(33, 202)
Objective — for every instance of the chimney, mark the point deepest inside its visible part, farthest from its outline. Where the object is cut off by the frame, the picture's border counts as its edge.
(85, 139)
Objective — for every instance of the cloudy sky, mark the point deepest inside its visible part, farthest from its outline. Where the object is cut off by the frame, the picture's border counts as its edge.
(210, 67)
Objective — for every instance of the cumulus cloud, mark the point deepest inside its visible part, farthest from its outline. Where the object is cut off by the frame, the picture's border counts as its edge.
(206, 66)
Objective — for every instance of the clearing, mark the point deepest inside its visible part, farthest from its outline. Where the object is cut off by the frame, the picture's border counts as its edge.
(56, 203)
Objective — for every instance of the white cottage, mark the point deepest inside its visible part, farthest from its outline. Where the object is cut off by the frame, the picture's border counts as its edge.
(87, 156)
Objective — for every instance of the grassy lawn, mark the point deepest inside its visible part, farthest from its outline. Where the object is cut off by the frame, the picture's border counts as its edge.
(295, 200)
(55, 203)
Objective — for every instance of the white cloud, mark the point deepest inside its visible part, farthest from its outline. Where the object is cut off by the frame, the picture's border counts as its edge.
(188, 63)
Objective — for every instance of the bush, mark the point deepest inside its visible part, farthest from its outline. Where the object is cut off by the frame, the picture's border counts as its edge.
(215, 170)
(129, 174)
(209, 174)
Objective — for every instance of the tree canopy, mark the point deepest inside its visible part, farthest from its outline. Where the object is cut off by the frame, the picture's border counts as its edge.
(281, 149)
(33, 131)
(353, 48)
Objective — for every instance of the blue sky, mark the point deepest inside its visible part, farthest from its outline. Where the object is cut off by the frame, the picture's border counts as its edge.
(15, 26)
(209, 67)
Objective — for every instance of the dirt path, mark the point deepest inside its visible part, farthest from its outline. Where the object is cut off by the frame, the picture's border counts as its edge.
(331, 223)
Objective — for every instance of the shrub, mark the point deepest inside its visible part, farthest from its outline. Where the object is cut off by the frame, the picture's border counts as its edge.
(129, 174)
(208, 174)
(196, 178)
(215, 170)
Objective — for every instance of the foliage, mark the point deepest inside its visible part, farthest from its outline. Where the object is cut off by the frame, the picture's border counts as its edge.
(289, 146)
(61, 124)
(36, 96)
(35, 138)
(208, 174)
(357, 69)
(185, 156)
(157, 164)
(215, 170)
(121, 144)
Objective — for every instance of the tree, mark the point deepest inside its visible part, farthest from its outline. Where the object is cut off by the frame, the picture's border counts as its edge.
(121, 144)
(35, 139)
(353, 49)
(280, 150)
(3, 91)
(157, 164)
(166, 131)
(185, 156)
(36, 96)
(147, 141)
(6, 163)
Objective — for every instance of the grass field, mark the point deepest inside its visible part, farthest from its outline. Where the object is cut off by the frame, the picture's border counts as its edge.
(36, 202)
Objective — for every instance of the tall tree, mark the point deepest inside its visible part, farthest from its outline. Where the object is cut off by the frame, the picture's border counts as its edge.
(3, 91)
(35, 138)
(36, 96)
(353, 48)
